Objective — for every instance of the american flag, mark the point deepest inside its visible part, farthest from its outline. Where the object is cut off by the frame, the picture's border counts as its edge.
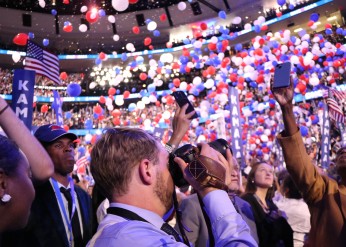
(340, 95)
(42, 62)
(334, 109)
(82, 161)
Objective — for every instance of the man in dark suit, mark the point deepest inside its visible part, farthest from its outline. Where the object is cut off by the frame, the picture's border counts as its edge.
(56, 200)
(193, 218)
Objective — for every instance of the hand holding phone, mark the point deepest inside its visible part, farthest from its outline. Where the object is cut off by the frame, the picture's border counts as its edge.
(181, 99)
(282, 75)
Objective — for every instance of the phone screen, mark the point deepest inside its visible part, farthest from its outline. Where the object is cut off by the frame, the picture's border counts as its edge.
(181, 99)
(282, 75)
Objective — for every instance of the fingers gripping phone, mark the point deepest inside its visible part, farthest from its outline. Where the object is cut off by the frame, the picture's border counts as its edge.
(181, 99)
(282, 75)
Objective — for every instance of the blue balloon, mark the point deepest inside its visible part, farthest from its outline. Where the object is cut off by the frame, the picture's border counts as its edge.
(170, 85)
(98, 61)
(45, 42)
(32, 35)
(314, 17)
(139, 60)
(291, 7)
(81, 150)
(222, 14)
(143, 92)
(281, 2)
(147, 21)
(124, 57)
(329, 31)
(304, 130)
(156, 33)
(132, 107)
(54, 12)
(186, 41)
(257, 28)
(68, 115)
(102, 13)
(133, 90)
(151, 88)
(74, 89)
(118, 91)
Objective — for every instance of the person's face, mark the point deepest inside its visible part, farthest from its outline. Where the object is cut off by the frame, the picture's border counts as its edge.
(164, 183)
(264, 176)
(340, 160)
(22, 192)
(61, 152)
(234, 185)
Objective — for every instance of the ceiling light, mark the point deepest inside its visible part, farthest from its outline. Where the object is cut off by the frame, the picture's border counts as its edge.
(332, 18)
(298, 30)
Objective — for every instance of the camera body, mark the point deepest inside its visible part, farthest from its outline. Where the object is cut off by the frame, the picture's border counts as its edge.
(187, 153)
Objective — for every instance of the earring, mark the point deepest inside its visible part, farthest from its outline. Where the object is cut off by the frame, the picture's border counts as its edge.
(6, 198)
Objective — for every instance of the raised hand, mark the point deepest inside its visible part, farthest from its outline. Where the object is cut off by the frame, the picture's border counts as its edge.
(283, 96)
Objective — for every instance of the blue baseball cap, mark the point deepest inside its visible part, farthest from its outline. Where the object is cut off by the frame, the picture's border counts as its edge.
(51, 132)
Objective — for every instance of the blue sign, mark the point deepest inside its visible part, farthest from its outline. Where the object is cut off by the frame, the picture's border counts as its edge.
(57, 108)
(23, 95)
(325, 143)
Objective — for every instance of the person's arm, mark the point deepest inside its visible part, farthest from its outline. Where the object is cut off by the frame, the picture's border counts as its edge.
(298, 162)
(229, 229)
(180, 125)
(41, 164)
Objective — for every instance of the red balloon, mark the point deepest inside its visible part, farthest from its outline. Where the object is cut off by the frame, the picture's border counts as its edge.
(68, 28)
(203, 26)
(102, 55)
(147, 41)
(163, 17)
(111, 91)
(116, 121)
(44, 108)
(126, 94)
(66, 128)
(133, 1)
(63, 75)
(135, 30)
(91, 17)
(116, 113)
(143, 76)
(102, 99)
(97, 109)
(176, 82)
(21, 39)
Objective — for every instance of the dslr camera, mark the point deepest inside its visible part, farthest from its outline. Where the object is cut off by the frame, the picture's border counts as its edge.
(189, 153)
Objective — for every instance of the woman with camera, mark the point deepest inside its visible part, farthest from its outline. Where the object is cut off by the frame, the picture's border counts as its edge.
(272, 227)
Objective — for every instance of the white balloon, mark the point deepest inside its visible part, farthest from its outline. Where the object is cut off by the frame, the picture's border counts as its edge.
(181, 6)
(110, 107)
(209, 83)
(111, 18)
(116, 37)
(108, 101)
(197, 44)
(166, 115)
(236, 20)
(120, 5)
(84, 9)
(92, 85)
(247, 26)
(83, 28)
(119, 101)
(197, 80)
(183, 85)
(42, 3)
(129, 46)
(88, 137)
(146, 100)
(152, 26)
(16, 56)
(140, 105)
(213, 40)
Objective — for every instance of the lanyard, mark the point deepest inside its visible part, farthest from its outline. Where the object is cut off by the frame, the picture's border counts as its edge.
(62, 206)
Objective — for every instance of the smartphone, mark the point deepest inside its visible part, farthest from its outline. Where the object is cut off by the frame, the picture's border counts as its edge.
(282, 75)
(181, 99)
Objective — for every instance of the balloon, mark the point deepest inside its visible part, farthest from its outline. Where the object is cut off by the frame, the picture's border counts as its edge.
(84, 9)
(91, 17)
(88, 124)
(314, 17)
(44, 108)
(63, 75)
(132, 107)
(126, 94)
(152, 26)
(143, 76)
(181, 6)
(281, 2)
(42, 3)
(203, 26)
(147, 41)
(97, 109)
(16, 56)
(163, 17)
(68, 28)
(102, 13)
(116, 37)
(111, 19)
(45, 42)
(21, 39)
(53, 12)
(68, 115)
(120, 5)
(83, 28)
(102, 99)
(135, 30)
(74, 90)
(133, 1)
(222, 14)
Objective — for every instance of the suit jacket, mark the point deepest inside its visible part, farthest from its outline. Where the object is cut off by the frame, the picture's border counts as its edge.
(46, 227)
(325, 198)
(193, 219)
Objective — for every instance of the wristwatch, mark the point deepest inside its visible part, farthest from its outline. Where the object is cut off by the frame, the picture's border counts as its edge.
(169, 148)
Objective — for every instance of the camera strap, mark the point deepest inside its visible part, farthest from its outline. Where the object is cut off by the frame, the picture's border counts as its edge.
(211, 239)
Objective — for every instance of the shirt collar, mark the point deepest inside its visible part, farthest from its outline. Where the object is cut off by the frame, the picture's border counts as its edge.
(149, 216)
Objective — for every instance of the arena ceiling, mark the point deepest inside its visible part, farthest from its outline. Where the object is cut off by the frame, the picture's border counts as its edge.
(99, 37)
